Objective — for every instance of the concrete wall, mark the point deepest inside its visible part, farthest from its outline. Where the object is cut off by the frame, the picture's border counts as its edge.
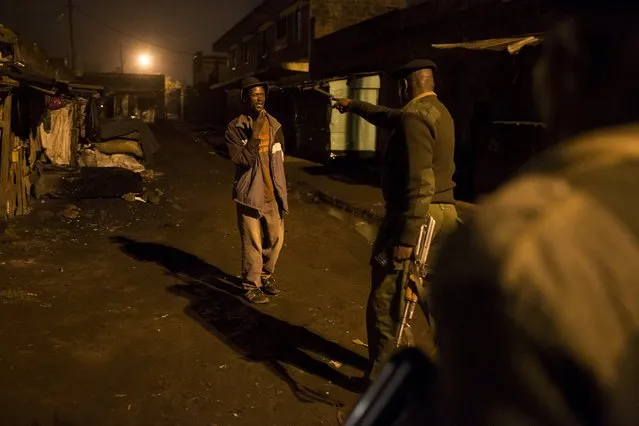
(362, 134)
(339, 123)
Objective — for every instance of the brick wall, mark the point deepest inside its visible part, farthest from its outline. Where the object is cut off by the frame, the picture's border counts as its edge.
(334, 15)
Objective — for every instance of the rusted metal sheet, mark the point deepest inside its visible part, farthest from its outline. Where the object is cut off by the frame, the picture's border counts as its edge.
(81, 86)
(6, 147)
(511, 44)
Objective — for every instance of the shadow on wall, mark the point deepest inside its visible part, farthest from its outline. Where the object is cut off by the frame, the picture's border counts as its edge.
(256, 336)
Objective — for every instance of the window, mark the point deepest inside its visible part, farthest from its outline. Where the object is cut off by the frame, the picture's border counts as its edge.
(232, 59)
(291, 27)
(298, 26)
(264, 43)
(281, 28)
(246, 52)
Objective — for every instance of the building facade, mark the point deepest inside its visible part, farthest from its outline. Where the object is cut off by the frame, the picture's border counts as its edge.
(346, 47)
(144, 92)
(484, 82)
(209, 69)
(275, 40)
(274, 43)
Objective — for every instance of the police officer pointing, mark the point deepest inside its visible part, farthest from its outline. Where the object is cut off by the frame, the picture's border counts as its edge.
(417, 180)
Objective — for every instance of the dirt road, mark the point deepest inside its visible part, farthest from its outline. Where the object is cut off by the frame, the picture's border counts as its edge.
(128, 315)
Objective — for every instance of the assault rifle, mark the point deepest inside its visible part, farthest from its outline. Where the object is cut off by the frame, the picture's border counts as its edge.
(415, 279)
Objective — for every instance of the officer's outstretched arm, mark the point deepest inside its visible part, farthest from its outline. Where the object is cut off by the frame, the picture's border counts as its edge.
(421, 178)
(377, 115)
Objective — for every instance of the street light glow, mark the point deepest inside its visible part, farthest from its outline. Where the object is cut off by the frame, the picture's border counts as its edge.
(144, 60)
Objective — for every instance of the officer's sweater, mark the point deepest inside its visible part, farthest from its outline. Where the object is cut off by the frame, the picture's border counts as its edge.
(418, 163)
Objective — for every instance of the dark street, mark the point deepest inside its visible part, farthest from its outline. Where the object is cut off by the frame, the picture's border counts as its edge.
(129, 314)
(319, 212)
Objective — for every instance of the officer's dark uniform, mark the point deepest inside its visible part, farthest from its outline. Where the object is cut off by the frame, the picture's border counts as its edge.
(417, 173)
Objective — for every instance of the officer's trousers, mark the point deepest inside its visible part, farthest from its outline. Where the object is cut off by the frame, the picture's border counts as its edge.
(386, 299)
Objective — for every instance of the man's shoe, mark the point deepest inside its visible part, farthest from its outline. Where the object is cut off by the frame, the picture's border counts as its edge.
(254, 295)
(269, 286)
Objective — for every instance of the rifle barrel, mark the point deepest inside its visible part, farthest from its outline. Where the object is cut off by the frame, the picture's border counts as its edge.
(325, 93)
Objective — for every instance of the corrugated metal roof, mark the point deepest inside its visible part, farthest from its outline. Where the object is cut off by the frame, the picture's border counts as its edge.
(81, 86)
(511, 44)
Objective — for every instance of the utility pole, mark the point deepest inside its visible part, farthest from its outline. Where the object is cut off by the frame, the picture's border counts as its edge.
(121, 60)
(71, 38)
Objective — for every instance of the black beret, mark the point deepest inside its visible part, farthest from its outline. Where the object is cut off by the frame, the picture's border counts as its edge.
(412, 66)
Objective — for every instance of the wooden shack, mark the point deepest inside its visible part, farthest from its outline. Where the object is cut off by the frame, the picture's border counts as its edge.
(17, 154)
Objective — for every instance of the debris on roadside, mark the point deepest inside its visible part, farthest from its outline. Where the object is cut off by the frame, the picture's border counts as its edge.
(152, 197)
(130, 197)
(148, 196)
(335, 364)
(358, 342)
(148, 175)
(71, 212)
(86, 183)
(16, 296)
(20, 263)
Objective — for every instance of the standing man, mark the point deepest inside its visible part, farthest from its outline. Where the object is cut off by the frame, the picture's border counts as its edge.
(255, 142)
(538, 312)
(417, 181)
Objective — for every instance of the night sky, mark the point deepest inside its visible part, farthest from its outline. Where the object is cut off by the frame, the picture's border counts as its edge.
(180, 25)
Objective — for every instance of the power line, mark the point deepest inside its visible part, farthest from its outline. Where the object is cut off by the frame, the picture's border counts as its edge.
(70, 7)
(131, 36)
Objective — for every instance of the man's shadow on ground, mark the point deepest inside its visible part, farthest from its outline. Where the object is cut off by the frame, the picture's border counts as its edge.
(216, 304)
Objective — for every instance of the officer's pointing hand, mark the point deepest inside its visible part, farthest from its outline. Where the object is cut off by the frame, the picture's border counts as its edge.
(402, 253)
(342, 105)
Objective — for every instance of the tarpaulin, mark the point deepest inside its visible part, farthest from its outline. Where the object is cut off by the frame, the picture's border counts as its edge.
(56, 139)
(94, 158)
(113, 128)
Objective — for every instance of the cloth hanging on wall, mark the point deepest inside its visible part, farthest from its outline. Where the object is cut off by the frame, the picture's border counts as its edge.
(57, 141)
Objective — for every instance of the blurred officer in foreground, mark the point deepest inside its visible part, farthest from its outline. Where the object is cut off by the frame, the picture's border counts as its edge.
(538, 311)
